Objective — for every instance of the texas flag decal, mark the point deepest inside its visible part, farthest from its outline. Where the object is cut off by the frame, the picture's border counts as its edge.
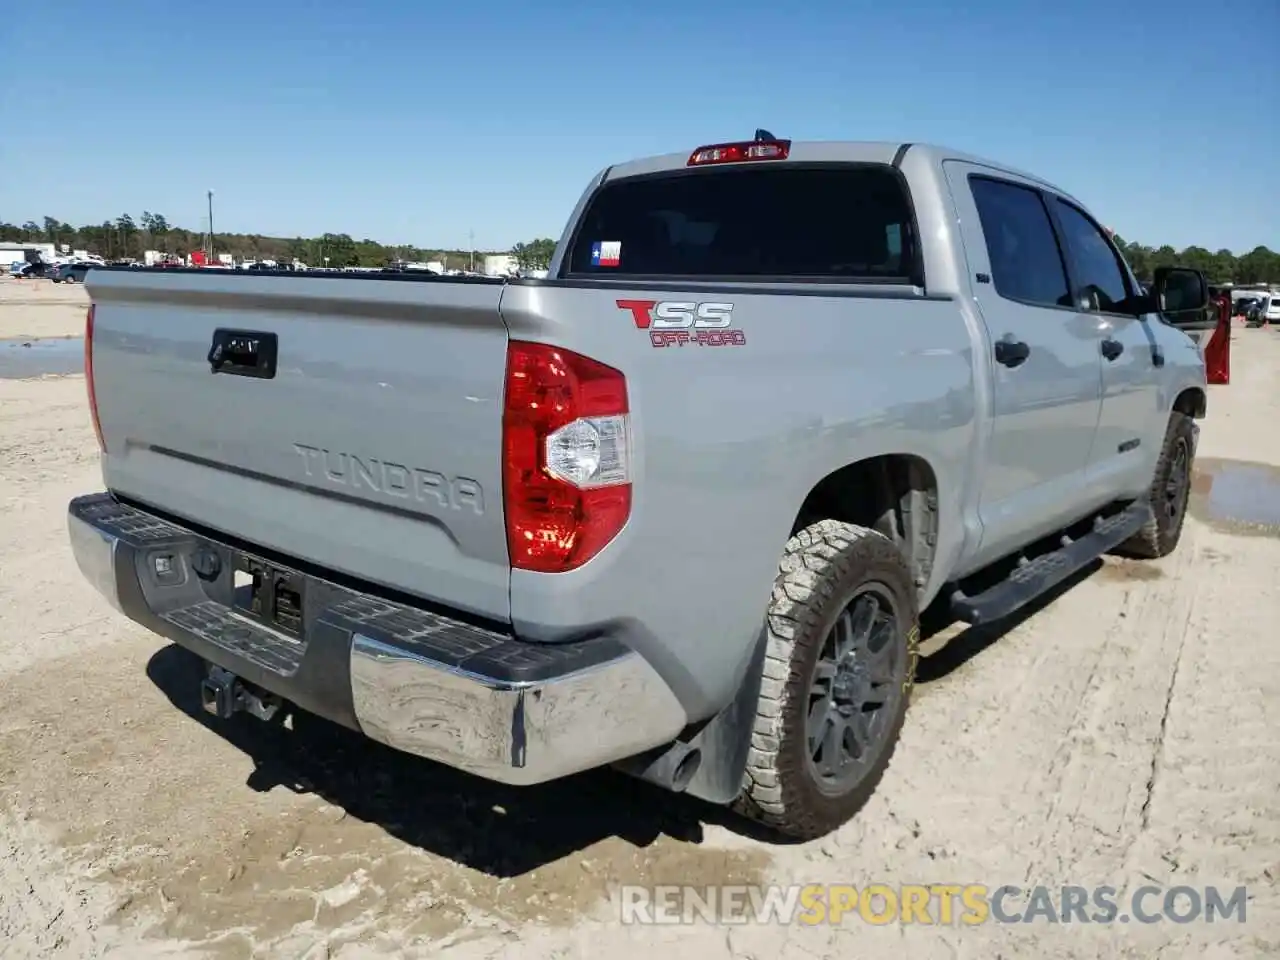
(606, 254)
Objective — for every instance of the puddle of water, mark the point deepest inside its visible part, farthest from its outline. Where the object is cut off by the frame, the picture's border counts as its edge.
(20, 359)
(1237, 496)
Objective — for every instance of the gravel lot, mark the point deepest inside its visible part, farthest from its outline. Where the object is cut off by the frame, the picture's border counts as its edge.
(1124, 734)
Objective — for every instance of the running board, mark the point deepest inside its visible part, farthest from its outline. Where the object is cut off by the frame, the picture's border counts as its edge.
(1033, 578)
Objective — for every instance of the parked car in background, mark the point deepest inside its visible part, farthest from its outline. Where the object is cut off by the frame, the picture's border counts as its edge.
(71, 272)
(1269, 309)
(33, 271)
(270, 265)
(1252, 312)
(1241, 306)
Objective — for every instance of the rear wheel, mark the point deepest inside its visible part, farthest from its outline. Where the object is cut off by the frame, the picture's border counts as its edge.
(842, 648)
(1169, 493)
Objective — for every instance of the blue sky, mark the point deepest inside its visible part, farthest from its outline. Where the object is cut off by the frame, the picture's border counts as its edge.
(417, 122)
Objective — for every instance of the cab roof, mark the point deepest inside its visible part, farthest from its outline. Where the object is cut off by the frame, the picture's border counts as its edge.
(829, 151)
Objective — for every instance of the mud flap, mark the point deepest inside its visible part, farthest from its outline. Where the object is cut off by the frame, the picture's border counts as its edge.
(726, 738)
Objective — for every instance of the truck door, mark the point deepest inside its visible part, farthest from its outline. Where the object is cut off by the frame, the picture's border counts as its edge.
(1131, 424)
(1045, 360)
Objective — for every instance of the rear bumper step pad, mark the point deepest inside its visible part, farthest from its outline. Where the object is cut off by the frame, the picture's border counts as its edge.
(468, 696)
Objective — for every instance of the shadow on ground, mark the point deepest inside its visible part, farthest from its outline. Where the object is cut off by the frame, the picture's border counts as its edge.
(501, 831)
(971, 641)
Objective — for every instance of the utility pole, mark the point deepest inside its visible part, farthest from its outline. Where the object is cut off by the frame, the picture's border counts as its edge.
(471, 239)
(211, 253)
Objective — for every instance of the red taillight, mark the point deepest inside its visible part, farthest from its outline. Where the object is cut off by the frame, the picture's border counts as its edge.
(738, 152)
(566, 457)
(88, 378)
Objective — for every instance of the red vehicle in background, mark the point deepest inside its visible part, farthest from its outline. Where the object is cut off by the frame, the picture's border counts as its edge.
(201, 259)
(1217, 347)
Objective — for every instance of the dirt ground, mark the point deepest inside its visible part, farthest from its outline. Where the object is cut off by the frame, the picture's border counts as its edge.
(1123, 734)
(38, 309)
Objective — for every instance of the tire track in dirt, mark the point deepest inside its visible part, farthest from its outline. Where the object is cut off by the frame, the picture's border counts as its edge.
(1098, 777)
(969, 798)
(1211, 816)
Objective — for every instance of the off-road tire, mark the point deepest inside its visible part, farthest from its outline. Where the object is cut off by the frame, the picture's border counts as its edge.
(823, 566)
(1159, 536)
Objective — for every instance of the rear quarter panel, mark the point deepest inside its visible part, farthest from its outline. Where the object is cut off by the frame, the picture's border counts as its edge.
(729, 441)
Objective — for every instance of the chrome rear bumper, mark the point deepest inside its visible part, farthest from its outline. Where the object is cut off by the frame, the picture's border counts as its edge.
(466, 695)
(511, 731)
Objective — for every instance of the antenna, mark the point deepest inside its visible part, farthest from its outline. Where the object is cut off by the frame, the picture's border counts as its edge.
(762, 134)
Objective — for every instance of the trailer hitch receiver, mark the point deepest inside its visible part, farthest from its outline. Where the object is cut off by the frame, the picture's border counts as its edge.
(223, 694)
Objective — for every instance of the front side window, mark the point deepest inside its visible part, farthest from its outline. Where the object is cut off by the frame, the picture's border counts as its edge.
(1026, 262)
(1100, 276)
(818, 222)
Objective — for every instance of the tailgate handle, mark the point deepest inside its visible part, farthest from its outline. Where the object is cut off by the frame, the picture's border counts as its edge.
(243, 353)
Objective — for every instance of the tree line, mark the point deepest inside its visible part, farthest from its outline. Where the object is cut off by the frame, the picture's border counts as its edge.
(126, 237)
(1259, 265)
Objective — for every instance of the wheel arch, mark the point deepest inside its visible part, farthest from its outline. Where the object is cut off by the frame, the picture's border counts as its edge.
(1193, 402)
(893, 493)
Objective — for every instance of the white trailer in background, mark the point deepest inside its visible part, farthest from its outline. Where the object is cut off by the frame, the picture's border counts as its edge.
(18, 251)
(500, 265)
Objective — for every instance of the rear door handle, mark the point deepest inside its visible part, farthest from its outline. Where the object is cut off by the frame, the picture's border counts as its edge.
(1012, 353)
(1112, 348)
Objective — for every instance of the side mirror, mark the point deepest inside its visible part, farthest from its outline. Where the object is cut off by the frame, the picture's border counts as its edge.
(1179, 290)
(1181, 297)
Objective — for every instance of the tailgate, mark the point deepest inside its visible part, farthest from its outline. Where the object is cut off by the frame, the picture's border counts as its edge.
(374, 450)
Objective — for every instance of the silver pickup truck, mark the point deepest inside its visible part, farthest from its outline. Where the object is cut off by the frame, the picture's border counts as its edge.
(676, 507)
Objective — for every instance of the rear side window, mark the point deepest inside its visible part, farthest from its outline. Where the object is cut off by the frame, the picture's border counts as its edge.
(1026, 262)
(830, 222)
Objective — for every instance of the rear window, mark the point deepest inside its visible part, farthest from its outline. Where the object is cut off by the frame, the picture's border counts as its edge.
(831, 222)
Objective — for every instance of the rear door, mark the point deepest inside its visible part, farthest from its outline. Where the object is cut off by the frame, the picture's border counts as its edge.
(374, 449)
(1047, 389)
